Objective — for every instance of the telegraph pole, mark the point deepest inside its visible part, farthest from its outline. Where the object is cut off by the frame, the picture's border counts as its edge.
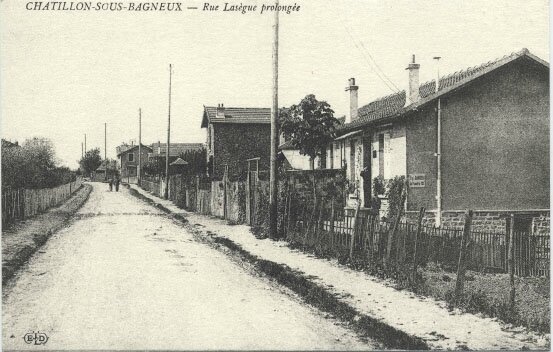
(139, 173)
(166, 193)
(273, 205)
(82, 150)
(85, 143)
(105, 149)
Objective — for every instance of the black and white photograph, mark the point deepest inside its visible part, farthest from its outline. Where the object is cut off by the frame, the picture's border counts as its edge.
(303, 175)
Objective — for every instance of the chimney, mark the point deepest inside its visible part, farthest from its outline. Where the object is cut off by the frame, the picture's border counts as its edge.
(353, 100)
(220, 111)
(413, 92)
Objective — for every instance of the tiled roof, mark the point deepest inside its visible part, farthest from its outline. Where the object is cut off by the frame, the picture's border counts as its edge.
(394, 104)
(126, 148)
(236, 115)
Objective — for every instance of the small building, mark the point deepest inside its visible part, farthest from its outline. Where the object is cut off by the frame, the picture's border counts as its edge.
(128, 159)
(297, 161)
(480, 141)
(234, 136)
(175, 149)
(106, 170)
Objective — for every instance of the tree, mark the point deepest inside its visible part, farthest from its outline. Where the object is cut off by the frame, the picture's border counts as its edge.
(155, 166)
(197, 161)
(32, 165)
(91, 161)
(310, 126)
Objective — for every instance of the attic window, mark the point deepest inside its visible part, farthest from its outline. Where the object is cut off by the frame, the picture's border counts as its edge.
(131, 156)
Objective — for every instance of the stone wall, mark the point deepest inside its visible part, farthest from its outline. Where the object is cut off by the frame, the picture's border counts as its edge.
(486, 221)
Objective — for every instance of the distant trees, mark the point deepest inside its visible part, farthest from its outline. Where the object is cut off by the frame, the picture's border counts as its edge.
(196, 164)
(32, 165)
(310, 126)
(90, 161)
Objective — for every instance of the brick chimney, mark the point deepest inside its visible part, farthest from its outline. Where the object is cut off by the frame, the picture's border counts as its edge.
(353, 100)
(220, 111)
(412, 94)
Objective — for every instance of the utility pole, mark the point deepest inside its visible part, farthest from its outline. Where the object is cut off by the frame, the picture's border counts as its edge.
(85, 143)
(166, 193)
(438, 220)
(273, 205)
(105, 149)
(139, 173)
(82, 150)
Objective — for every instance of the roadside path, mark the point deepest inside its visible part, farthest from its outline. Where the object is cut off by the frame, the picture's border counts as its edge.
(125, 276)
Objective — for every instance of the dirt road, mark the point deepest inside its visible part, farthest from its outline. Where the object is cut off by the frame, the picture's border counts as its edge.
(124, 276)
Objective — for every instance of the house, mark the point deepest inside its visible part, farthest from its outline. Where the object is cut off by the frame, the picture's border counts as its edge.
(128, 158)
(175, 149)
(297, 161)
(480, 141)
(236, 136)
(107, 169)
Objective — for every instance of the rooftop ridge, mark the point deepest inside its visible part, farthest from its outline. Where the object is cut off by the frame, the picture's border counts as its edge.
(382, 105)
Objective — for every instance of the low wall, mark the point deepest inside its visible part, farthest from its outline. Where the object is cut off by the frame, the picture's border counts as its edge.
(489, 221)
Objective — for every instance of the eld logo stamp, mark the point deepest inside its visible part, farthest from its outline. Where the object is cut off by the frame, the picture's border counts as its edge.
(38, 338)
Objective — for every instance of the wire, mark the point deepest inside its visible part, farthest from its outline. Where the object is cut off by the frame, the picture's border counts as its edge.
(388, 82)
(372, 62)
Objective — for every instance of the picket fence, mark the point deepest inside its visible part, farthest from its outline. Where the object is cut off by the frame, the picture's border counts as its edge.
(340, 233)
(20, 204)
(335, 231)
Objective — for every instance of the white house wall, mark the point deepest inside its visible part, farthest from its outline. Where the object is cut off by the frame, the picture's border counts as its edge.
(397, 161)
(298, 161)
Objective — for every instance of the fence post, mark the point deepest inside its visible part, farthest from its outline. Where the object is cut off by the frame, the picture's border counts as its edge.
(461, 268)
(417, 235)
(392, 234)
(353, 230)
(332, 219)
(511, 261)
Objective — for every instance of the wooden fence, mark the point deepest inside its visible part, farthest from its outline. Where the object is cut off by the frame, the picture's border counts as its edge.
(361, 236)
(24, 203)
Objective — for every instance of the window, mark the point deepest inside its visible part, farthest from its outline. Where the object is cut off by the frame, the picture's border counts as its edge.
(131, 156)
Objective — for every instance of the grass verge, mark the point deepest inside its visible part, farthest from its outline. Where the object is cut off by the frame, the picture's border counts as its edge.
(21, 240)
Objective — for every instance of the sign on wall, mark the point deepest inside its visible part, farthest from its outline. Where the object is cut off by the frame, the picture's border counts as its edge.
(417, 180)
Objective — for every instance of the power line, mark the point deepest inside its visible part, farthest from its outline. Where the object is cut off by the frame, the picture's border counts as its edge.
(374, 65)
(394, 89)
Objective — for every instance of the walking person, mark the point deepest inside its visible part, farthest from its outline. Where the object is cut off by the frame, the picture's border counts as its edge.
(117, 181)
(110, 181)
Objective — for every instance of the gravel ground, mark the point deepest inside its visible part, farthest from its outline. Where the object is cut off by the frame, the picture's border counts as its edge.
(423, 317)
(125, 276)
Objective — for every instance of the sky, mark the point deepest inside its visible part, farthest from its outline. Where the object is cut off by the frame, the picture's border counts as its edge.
(63, 74)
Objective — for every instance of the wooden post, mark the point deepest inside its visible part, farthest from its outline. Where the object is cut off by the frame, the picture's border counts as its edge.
(166, 191)
(461, 268)
(353, 230)
(139, 170)
(332, 219)
(273, 183)
(392, 234)
(511, 261)
(417, 235)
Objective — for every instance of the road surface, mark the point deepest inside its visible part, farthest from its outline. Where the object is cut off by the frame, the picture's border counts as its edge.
(125, 276)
